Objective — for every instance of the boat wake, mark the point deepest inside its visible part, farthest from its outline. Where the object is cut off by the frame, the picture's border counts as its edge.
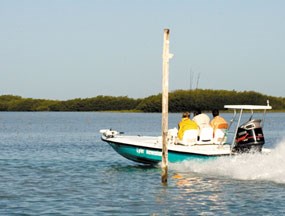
(264, 167)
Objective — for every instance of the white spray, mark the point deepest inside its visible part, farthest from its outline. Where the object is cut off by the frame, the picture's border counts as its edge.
(268, 167)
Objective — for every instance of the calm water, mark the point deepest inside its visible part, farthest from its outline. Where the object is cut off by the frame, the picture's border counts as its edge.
(56, 164)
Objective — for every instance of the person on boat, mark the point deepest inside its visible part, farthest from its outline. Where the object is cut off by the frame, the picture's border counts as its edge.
(202, 119)
(205, 129)
(218, 122)
(185, 124)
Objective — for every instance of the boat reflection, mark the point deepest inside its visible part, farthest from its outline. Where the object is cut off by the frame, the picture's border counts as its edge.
(208, 189)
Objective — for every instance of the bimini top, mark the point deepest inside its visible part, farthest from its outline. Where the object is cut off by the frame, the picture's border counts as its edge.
(248, 107)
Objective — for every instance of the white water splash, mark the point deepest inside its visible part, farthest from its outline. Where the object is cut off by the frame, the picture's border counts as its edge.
(267, 167)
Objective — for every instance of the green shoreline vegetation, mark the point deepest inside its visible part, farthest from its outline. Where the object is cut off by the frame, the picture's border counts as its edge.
(179, 101)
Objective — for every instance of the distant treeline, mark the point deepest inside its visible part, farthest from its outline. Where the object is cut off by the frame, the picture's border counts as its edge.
(179, 101)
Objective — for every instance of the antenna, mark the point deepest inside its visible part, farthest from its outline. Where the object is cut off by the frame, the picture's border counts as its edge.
(198, 81)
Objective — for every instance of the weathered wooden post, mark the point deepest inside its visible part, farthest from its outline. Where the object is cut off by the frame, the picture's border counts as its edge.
(165, 81)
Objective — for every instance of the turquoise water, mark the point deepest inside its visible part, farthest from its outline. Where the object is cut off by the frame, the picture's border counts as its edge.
(56, 164)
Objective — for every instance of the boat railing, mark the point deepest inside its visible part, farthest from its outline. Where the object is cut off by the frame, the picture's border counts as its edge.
(239, 109)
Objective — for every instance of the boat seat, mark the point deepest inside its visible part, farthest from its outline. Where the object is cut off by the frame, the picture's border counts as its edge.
(189, 137)
(206, 135)
(172, 135)
(219, 136)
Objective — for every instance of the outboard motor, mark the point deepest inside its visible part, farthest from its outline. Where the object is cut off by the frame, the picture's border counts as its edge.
(249, 137)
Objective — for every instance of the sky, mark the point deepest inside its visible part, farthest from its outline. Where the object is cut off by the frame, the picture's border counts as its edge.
(66, 49)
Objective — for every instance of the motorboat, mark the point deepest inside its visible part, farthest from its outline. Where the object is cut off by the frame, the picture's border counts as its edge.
(203, 144)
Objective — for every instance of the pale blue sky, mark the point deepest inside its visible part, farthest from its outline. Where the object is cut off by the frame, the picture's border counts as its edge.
(65, 49)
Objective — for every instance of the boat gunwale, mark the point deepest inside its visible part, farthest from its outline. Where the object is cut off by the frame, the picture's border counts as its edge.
(169, 150)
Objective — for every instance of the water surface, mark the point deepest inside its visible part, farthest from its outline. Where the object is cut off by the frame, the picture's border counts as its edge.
(56, 164)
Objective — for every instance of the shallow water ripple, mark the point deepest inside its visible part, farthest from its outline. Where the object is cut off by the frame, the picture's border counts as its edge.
(56, 164)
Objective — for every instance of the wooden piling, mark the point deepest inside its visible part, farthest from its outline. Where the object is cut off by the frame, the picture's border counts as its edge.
(165, 81)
